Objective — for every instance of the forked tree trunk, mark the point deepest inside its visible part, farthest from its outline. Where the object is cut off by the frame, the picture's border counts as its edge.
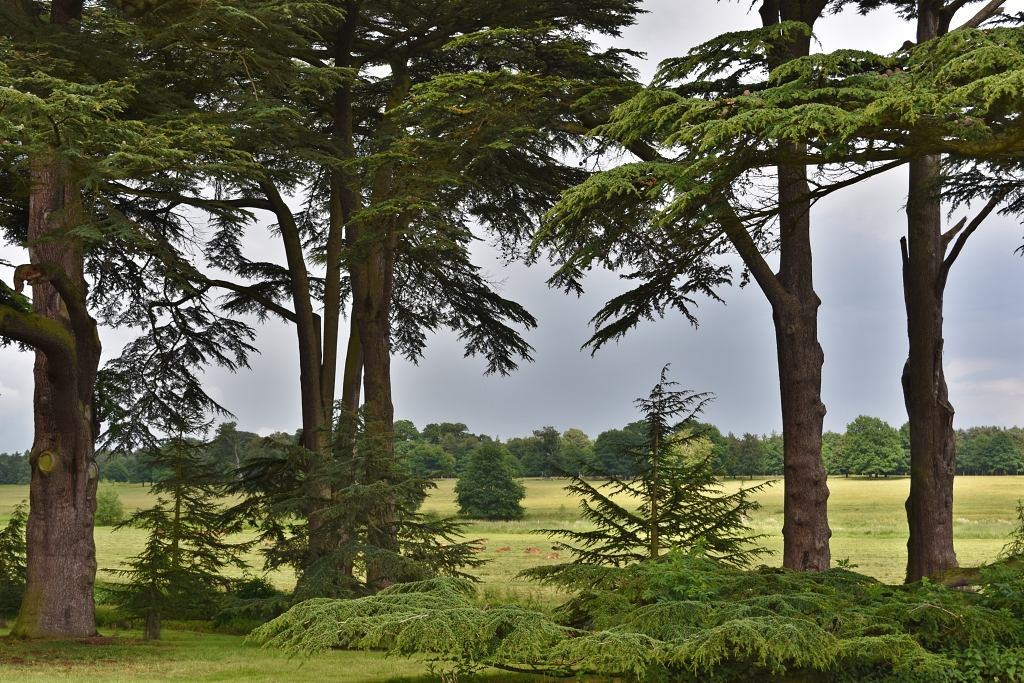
(932, 439)
(61, 557)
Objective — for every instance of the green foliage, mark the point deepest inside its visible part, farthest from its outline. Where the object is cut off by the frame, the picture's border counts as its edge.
(612, 447)
(748, 457)
(870, 446)
(12, 562)
(116, 471)
(989, 450)
(109, 510)
(430, 461)
(1015, 545)
(679, 501)
(487, 488)
(686, 617)
(15, 468)
(320, 515)
(178, 574)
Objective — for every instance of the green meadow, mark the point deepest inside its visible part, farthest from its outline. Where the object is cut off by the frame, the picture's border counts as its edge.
(866, 515)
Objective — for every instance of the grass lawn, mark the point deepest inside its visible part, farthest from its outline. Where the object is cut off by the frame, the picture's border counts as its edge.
(184, 656)
(868, 525)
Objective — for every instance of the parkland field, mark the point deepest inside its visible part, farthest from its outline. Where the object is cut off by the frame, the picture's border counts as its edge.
(868, 523)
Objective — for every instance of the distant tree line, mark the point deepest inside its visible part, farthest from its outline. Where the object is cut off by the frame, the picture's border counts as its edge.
(869, 446)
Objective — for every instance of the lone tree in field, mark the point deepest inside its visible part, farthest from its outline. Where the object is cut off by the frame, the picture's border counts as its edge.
(487, 487)
(679, 504)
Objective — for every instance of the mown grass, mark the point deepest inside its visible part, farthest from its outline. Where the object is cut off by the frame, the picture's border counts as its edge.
(185, 656)
(867, 518)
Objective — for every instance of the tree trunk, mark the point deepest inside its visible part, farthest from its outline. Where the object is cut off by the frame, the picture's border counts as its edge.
(805, 527)
(795, 305)
(932, 439)
(315, 430)
(61, 555)
(372, 311)
(153, 629)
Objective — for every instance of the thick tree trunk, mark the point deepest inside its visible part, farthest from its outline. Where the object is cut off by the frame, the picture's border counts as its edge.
(61, 558)
(932, 439)
(372, 312)
(805, 527)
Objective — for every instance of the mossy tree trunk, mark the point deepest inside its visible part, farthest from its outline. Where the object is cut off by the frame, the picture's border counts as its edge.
(61, 555)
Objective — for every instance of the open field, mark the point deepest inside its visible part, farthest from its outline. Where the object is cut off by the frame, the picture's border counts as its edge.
(867, 518)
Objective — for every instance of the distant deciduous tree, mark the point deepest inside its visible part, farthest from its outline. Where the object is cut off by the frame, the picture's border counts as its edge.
(749, 457)
(870, 446)
(487, 488)
(429, 461)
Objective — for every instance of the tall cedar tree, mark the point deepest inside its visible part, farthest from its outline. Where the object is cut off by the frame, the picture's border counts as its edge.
(320, 516)
(487, 487)
(721, 69)
(927, 258)
(74, 121)
(364, 127)
(180, 568)
(12, 563)
(680, 504)
(853, 115)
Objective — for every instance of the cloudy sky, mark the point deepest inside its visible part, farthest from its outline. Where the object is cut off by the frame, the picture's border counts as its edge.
(862, 326)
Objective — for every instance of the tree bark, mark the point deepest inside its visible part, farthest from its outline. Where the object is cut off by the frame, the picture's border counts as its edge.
(795, 305)
(152, 626)
(373, 284)
(805, 527)
(315, 432)
(932, 439)
(61, 555)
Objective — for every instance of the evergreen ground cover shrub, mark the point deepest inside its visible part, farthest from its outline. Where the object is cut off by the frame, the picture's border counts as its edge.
(687, 617)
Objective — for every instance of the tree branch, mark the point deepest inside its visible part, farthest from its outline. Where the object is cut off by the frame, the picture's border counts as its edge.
(39, 332)
(54, 273)
(258, 298)
(752, 258)
(987, 12)
(962, 240)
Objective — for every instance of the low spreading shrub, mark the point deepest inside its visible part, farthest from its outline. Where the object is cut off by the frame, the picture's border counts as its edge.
(687, 617)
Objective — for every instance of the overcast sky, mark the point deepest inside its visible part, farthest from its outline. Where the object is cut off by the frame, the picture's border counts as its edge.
(857, 275)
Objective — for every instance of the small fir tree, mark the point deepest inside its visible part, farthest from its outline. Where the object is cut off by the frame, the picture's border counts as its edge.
(320, 515)
(12, 563)
(178, 573)
(488, 488)
(681, 505)
(109, 510)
